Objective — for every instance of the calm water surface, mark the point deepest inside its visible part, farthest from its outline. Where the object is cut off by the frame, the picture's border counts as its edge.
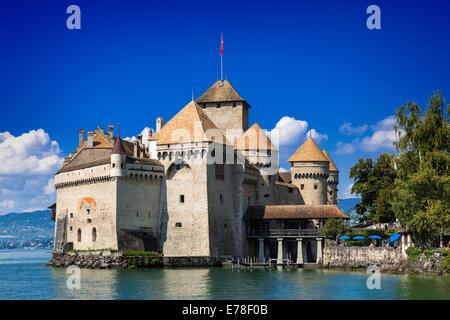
(23, 275)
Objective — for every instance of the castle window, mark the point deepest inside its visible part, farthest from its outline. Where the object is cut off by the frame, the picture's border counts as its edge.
(71, 228)
(302, 187)
(94, 234)
(220, 171)
(113, 165)
(178, 225)
(221, 199)
(266, 195)
(331, 192)
(137, 213)
(181, 198)
(88, 211)
(79, 235)
(315, 187)
(89, 220)
(269, 152)
(121, 165)
(71, 215)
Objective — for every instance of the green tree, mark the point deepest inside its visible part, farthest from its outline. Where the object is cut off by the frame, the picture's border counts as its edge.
(332, 228)
(373, 182)
(421, 197)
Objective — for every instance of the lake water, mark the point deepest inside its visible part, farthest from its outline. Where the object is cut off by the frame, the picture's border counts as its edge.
(23, 275)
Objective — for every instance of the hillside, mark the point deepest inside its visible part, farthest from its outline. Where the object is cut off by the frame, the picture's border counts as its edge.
(29, 229)
(348, 207)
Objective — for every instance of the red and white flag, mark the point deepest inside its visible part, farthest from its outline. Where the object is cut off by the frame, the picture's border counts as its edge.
(221, 44)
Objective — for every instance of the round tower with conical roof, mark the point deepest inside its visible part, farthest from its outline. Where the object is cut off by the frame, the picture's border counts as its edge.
(118, 159)
(309, 172)
(333, 180)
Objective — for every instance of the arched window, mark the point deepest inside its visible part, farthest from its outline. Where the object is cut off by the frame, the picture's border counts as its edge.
(79, 235)
(94, 234)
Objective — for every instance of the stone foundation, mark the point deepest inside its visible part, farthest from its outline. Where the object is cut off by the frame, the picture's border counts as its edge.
(388, 259)
(118, 260)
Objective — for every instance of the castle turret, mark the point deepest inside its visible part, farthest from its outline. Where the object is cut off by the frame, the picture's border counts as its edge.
(118, 159)
(256, 147)
(333, 180)
(310, 171)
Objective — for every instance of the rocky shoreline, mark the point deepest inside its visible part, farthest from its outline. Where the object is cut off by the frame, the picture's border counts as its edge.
(118, 260)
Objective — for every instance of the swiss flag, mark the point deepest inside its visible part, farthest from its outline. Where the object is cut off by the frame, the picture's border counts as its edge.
(221, 44)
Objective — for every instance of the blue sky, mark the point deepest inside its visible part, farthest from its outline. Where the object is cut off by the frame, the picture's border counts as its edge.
(313, 62)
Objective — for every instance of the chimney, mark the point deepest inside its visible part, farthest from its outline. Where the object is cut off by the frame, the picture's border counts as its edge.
(111, 132)
(159, 123)
(80, 137)
(137, 150)
(90, 143)
(139, 137)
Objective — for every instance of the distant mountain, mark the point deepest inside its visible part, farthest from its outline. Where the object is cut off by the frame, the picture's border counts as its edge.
(348, 206)
(26, 226)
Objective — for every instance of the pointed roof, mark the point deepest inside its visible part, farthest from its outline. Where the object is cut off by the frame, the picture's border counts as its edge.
(118, 146)
(254, 139)
(101, 142)
(332, 165)
(309, 151)
(191, 124)
(220, 91)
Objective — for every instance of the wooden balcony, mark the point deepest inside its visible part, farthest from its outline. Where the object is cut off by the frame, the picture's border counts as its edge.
(284, 233)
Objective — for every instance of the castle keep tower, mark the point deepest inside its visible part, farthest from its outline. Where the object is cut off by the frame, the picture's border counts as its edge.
(333, 180)
(310, 171)
(225, 107)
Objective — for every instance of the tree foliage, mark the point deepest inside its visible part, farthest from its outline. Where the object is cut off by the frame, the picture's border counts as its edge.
(332, 228)
(421, 197)
(374, 183)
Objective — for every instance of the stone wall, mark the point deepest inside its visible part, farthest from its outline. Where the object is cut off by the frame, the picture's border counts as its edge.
(107, 259)
(361, 257)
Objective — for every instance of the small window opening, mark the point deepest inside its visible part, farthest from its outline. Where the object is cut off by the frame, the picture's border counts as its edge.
(181, 198)
(178, 225)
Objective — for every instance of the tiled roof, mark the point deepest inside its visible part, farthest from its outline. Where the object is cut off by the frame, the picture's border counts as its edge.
(332, 165)
(309, 151)
(191, 124)
(254, 139)
(118, 147)
(220, 93)
(293, 212)
(285, 177)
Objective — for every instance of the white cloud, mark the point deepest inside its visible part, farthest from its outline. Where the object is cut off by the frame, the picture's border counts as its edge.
(28, 154)
(28, 163)
(9, 204)
(317, 137)
(348, 192)
(348, 130)
(50, 187)
(283, 170)
(288, 131)
(382, 138)
(145, 135)
(345, 148)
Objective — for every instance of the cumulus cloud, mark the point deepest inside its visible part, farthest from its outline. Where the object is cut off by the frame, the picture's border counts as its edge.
(50, 187)
(348, 130)
(317, 137)
(28, 163)
(382, 138)
(30, 153)
(283, 170)
(144, 133)
(9, 204)
(288, 131)
(347, 193)
(345, 148)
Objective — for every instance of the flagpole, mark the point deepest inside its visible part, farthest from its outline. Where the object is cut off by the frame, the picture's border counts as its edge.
(221, 67)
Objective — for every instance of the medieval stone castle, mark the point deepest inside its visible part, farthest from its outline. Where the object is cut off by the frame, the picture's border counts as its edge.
(205, 184)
